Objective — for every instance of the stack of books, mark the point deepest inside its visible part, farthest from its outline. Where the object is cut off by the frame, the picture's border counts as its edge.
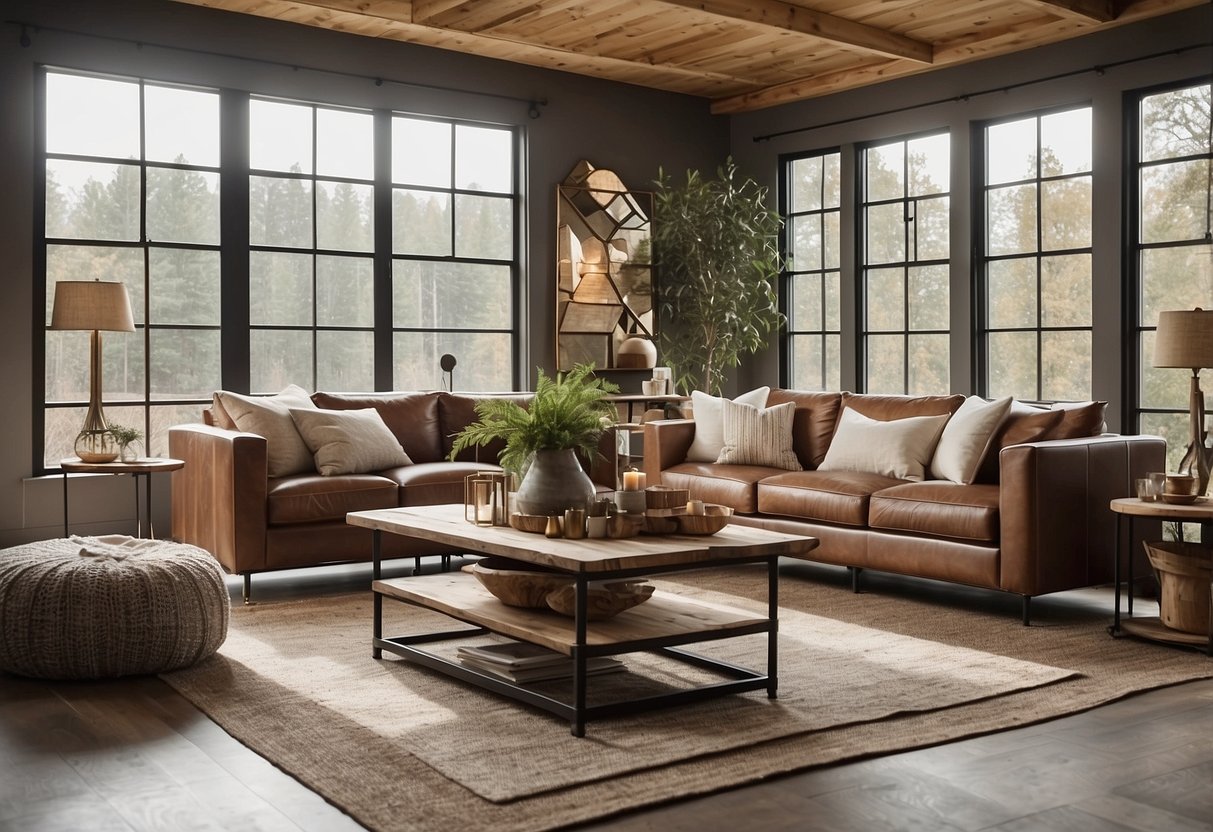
(522, 663)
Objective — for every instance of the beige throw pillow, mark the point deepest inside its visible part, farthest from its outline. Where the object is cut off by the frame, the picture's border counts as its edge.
(757, 436)
(967, 437)
(270, 416)
(901, 448)
(349, 441)
(709, 422)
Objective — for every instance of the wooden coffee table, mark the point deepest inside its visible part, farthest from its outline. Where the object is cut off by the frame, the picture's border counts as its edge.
(662, 624)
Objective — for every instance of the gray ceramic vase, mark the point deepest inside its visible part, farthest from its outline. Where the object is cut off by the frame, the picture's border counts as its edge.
(554, 481)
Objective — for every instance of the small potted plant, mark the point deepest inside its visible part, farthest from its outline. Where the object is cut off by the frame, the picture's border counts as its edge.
(565, 416)
(126, 439)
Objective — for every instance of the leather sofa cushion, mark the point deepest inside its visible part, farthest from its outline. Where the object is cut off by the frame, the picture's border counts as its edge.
(813, 426)
(411, 417)
(730, 485)
(828, 496)
(456, 412)
(886, 408)
(432, 483)
(311, 498)
(939, 509)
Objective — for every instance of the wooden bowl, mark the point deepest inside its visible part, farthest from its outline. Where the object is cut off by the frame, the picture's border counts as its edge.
(714, 518)
(605, 601)
(517, 584)
(533, 523)
(624, 525)
(659, 496)
(659, 525)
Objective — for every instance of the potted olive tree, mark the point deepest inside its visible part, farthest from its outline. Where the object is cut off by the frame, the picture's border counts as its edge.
(565, 416)
(716, 246)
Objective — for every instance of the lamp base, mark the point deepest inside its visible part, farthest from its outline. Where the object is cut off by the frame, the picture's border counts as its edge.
(96, 446)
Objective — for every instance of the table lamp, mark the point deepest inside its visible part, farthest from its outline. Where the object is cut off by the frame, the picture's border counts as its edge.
(1185, 339)
(93, 305)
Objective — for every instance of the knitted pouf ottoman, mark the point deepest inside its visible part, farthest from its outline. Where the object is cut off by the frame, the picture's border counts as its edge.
(98, 607)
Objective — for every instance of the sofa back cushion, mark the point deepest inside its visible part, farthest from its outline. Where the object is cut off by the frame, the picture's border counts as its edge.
(1079, 420)
(1024, 423)
(888, 407)
(816, 416)
(456, 411)
(411, 417)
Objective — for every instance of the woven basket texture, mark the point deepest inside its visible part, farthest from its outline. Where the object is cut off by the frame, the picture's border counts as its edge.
(100, 607)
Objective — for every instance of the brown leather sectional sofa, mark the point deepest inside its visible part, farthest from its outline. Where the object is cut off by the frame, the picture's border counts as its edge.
(224, 501)
(1036, 520)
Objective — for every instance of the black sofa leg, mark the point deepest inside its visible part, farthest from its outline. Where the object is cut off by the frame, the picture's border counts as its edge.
(1027, 610)
(248, 587)
(855, 572)
(446, 563)
(416, 566)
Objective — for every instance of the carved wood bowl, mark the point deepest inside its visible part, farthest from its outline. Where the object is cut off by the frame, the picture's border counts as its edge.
(518, 584)
(533, 523)
(714, 518)
(604, 601)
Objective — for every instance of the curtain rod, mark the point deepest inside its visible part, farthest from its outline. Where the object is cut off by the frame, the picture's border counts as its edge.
(25, 40)
(1098, 69)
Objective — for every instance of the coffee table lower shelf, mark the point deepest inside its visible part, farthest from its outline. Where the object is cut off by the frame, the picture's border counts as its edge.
(660, 625)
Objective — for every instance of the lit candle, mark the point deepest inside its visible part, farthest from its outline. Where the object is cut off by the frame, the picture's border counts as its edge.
(633, 481)
(695, 507)
(484, 505)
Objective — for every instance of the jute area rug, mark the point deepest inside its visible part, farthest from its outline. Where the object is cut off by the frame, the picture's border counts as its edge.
(399, 747)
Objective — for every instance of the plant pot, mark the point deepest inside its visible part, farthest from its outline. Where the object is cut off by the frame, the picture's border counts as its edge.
(554, 481)
(1184, 571)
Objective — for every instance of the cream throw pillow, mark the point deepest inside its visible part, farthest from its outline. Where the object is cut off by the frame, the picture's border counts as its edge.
(901, 448)
(349, 441)
(758, 436)
(967, 437)
(709, 422)
(270, 416)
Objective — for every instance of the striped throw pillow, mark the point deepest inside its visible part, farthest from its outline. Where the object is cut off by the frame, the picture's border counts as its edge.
(759, 436)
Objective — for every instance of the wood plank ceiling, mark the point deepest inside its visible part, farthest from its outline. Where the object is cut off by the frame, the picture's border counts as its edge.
(741, 54)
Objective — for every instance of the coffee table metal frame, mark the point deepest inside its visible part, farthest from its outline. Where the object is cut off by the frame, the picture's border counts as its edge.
(578, 712)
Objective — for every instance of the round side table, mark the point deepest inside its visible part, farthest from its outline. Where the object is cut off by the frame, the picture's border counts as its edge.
(1128, 509)
(139, 468)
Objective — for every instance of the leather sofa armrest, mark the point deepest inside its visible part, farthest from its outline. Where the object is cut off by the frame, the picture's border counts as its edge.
(1057, 530)
(219, 497)
(666, 442)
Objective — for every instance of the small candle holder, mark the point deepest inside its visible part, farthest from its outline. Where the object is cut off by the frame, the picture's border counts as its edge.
(486, 498)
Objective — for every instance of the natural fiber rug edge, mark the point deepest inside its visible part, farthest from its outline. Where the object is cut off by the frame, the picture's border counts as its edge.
(425, 809)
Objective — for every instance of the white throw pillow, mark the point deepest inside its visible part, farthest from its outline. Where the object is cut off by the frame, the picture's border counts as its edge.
(967, 437)
(349, 441)
(757, 436)
(270, 416)
(709, 422)
(900, 448)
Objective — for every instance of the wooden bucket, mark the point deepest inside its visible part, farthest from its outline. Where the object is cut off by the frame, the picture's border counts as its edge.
(1184, 571)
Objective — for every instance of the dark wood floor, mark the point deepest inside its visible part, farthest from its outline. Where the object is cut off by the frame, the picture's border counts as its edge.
(133, 755)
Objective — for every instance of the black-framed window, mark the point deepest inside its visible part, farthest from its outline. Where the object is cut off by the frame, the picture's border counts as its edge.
(132, 194)
(904, 255)
(326, 285)
(453, 252)
(812, 278)
(1034, 264)
(1170, 247)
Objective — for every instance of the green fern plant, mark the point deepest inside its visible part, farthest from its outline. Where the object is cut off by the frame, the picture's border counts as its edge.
(569, 411)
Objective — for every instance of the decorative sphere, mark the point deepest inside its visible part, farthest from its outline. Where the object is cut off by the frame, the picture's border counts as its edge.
(636, 352)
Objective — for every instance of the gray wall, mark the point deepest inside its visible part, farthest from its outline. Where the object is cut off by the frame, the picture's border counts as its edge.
(1103, 91)
(628, 129)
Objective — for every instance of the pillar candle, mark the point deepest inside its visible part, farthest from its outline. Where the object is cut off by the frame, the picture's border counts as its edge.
(633, 481)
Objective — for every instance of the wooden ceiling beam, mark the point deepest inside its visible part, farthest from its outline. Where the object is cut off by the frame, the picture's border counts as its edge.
(1098, 11)
(838, 30)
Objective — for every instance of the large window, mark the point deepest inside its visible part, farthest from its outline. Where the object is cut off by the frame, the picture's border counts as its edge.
(1172, 183)
(453, 253)
(311, 241)
(812, 288)
(1036, 257)
(359, 268)
(132, 194)
(905, 252)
